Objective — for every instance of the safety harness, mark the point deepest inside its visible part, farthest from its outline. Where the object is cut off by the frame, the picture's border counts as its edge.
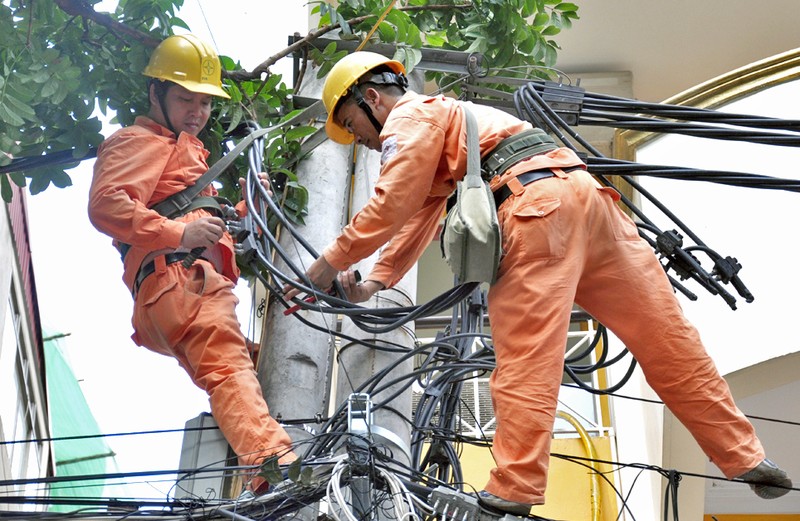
(189, 199)
(511, 151)
(514, 149)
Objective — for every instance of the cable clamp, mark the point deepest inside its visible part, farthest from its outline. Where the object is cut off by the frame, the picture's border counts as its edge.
(565, 100)
(449, 503)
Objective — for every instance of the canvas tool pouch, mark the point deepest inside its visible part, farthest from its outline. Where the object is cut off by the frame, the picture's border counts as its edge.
(471, 242)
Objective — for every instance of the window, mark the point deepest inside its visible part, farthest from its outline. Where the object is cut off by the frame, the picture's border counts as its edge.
(23, 451)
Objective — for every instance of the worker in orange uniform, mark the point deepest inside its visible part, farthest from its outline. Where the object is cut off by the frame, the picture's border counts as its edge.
(188, 314)
(564, 240)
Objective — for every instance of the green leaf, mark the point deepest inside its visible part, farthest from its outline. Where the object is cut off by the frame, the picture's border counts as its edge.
(18, 178)
(329, 49)
(177, 22)
(408, 56)
(343, 24)
(299, 132)
(227, 63)
(386, 32)
(479, 45)
(271, 471)
(289, 174)
(271, 82)
(435, 39)
(566, 7)
(324, 69)
(24, 92)
(556, 18)
(10, 117)
(39, 182)
(549, 55)
(550, 30)
(5, 189)
(8, 145)
(50, 88)
(541, 19)
(293, 471)
(400, 21)
(60, 179)
(236, 118)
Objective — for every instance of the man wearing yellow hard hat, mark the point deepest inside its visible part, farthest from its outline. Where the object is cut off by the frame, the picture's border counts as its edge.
(185, 313)
(564, 241)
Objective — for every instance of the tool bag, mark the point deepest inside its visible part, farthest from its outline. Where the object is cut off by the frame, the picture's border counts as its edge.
(471, 242)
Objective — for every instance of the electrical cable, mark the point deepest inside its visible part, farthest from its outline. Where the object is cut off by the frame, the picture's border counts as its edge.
(463, 350)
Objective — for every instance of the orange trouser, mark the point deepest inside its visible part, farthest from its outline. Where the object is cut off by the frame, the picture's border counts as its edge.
(190, 315)
(565, 241)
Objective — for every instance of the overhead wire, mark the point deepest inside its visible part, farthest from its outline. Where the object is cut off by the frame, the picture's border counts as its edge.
(453, 358)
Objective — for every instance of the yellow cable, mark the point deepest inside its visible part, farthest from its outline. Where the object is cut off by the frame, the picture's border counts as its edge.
(590, 452)
(374, 27)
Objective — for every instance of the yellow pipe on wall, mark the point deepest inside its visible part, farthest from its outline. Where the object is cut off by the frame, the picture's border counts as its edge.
(592, 455)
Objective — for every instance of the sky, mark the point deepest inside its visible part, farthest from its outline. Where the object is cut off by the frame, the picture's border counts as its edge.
(755, 226)
(79, 276)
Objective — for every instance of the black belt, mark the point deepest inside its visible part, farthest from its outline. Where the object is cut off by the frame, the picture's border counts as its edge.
(526, 178)
(150, 268)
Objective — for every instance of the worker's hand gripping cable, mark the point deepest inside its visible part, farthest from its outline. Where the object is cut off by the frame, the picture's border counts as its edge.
(312, 299)
(230, 216)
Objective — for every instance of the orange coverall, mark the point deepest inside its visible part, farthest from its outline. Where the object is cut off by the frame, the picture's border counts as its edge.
(187, 314)
(564, 241)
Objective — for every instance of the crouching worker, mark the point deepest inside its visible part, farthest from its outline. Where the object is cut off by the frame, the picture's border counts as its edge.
(564, 240)
(185, 313)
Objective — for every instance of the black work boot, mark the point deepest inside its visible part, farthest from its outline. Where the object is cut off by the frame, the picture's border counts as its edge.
(767, 480)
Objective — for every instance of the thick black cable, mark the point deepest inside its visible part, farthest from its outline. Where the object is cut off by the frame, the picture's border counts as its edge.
(544, 116)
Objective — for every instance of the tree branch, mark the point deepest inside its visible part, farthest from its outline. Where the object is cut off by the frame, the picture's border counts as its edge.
(86, 11)
(263, 67)
(80, 8)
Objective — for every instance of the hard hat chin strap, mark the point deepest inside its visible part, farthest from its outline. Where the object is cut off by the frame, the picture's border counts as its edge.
(161, 95)
(382, 78)
(362, 102)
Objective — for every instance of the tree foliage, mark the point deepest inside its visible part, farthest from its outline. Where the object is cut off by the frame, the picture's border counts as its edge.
(61, 60)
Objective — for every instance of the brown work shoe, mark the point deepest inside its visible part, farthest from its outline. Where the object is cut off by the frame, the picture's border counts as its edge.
(767, 480)
(504, 505)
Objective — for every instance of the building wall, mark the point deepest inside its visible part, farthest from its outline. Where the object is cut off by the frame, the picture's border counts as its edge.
(570, 487)
(753, 346)
(24, 454)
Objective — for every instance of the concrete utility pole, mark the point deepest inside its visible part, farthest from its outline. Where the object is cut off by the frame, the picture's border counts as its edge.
(295, 363)
(357, 363)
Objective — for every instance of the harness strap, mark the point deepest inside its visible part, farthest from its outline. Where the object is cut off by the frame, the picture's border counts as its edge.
(514, 149)
(183, 202)
(175, 203)
(159, 264)
(212, 204)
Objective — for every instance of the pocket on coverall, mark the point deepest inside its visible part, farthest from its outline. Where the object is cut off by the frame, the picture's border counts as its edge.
(623, 226)
(162, 317)
(533, 228)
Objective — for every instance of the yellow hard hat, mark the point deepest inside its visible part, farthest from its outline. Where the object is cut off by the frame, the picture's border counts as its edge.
(341, 78)
(188, 61)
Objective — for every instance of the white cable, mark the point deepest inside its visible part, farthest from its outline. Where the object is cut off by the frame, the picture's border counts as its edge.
(335, 494)
(402, 499)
